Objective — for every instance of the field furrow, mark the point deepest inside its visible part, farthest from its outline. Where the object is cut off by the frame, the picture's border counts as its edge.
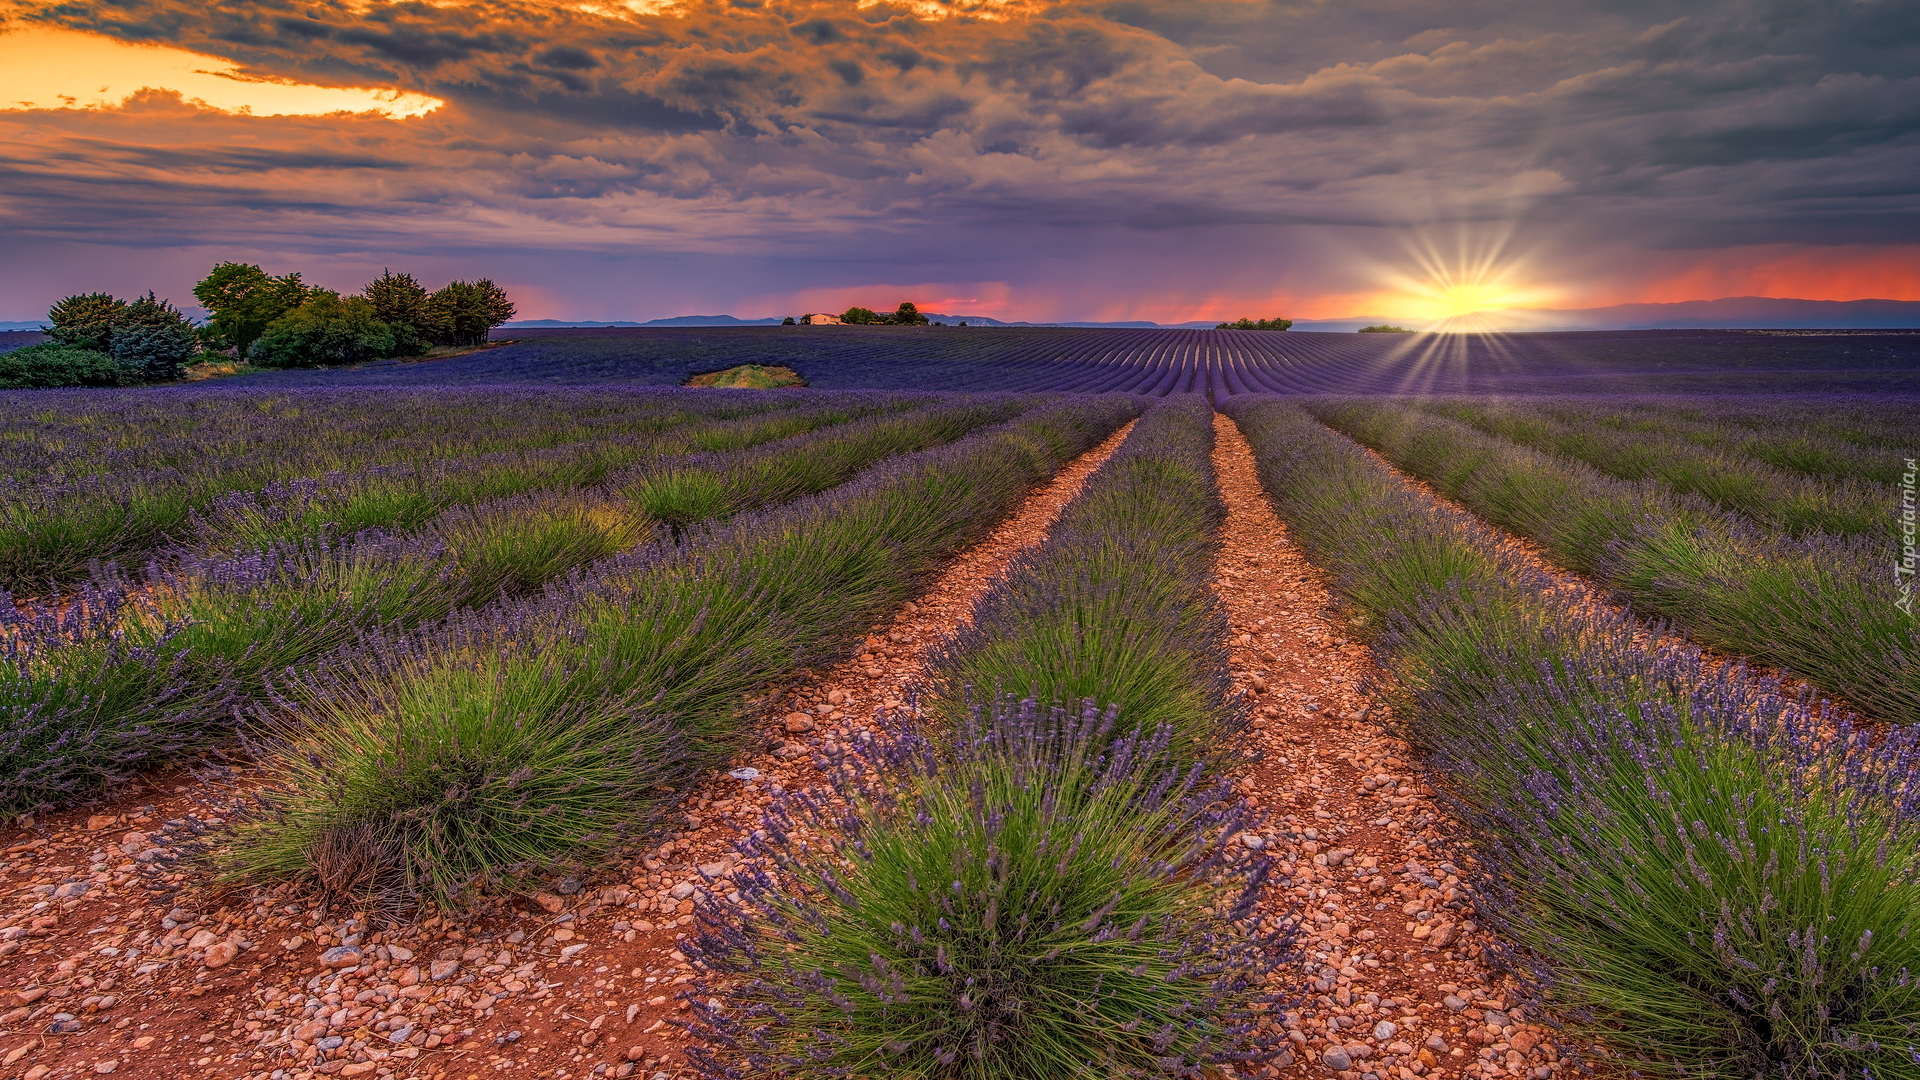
(1391, 933)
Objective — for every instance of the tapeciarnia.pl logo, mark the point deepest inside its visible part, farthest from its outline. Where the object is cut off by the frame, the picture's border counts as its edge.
(1903, 568)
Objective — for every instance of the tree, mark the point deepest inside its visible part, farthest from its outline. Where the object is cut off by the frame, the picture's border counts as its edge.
(908, 315)
(86, 321)
(403, 304)
(1257, 324)
(859, 316)
(464, 311)
(1384, 328)
(153, 340)
(788, 321)
(327, 329)
(243, 300)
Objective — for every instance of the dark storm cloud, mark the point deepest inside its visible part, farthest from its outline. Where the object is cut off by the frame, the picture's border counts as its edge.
(716, 126)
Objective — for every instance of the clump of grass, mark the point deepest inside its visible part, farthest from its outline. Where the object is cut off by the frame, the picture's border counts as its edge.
(216, 369)
(1031, 899)
(750, 377)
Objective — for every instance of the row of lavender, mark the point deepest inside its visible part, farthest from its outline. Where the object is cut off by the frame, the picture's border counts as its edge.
(533, 737)
(1031, 886)
(126, 673)
(1712, 877)
(93, 480)
(1821, 606)
(1705, 460)
(1825, 437)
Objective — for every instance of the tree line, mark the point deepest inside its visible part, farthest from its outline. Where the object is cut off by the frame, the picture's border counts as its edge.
(905, 315)
(1257, 324)
(254, 318)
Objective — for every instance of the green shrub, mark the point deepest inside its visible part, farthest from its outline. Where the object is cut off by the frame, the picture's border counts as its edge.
(244, 300)
(52, 364)
(326, 329)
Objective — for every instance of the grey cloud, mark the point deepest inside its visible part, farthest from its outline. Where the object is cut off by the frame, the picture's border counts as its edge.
(814, 124)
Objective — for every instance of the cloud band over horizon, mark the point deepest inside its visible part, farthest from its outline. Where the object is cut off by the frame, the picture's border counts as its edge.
(1105, 159)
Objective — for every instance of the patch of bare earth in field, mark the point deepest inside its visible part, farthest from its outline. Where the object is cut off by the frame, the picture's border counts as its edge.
(116, 960)
(1392, 969)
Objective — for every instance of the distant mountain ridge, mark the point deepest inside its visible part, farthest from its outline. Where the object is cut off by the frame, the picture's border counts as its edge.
(1742, 313)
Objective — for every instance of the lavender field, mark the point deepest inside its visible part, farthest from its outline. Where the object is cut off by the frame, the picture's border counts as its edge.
(1217, 363)
(476, 631)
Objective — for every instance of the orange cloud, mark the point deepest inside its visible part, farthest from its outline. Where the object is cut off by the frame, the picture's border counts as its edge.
(50, 68)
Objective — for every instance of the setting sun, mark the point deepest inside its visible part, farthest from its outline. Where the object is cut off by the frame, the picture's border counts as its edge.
(1472, 279)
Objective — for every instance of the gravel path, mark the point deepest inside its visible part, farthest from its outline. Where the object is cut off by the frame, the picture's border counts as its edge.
(1393, 966)
(113, 962)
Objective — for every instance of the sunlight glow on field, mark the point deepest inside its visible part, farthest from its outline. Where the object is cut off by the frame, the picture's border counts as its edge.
(46, 68)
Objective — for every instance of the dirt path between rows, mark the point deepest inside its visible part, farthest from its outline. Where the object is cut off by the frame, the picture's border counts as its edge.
(101, 974)
(1393, 964)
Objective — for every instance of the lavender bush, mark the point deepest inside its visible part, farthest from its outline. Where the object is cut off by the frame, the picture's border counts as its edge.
(403, 497)
(1724, 877)
(91, 477)
(1040, 895)
(1115, 604)
(106, 708)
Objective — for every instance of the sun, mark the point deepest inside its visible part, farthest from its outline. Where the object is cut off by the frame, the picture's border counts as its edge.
(1469, 298)
(1463, 279)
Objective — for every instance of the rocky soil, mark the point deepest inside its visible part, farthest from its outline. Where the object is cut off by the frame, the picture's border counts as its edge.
(1393, 971)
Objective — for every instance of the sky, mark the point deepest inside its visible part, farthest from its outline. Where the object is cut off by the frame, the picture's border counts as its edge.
(1167, 160)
